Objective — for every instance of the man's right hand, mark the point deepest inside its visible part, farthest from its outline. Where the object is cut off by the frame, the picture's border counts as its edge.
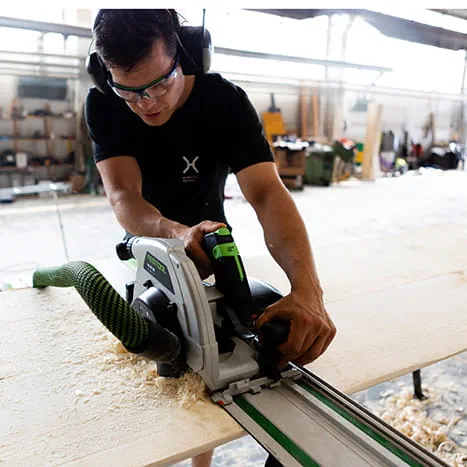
(193, 240)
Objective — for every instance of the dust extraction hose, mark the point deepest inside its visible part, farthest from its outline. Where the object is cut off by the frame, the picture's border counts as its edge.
(103, 300)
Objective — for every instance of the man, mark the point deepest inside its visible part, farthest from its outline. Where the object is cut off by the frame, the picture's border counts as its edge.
(164, 143)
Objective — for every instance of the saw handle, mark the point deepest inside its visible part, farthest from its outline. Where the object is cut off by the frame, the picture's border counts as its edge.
(230, 273)
(274, 333)
(232, 281)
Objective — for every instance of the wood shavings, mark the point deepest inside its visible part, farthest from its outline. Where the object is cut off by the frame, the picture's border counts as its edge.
(120, 348)
(139, 382)
(187, 390)
(411, 417)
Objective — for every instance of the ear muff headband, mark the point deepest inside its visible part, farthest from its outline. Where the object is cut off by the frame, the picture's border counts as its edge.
(195, 56)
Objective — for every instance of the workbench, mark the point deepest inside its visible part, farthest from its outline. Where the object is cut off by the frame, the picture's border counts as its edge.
(68, 397)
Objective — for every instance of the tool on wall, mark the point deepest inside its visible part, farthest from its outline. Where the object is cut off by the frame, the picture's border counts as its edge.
(181, 322)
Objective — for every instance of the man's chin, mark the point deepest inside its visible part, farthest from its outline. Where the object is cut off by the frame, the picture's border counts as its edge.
(156, 119)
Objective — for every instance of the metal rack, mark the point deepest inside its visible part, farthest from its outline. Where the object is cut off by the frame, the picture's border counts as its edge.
(48, 150)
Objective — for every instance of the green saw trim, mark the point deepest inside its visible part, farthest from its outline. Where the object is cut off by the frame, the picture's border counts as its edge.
(223, 231)
(241, 273)
(295, 451)
(361, 426)
(225, 249)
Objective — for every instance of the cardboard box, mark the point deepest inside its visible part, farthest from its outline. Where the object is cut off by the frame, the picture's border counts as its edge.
(288, 158)
(293, 183)
(290, 162)
(78, 183)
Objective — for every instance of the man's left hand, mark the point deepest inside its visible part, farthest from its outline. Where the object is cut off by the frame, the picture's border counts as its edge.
(311, 328)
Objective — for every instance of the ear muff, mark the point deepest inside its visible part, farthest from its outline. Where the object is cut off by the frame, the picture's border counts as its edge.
(195, 50)
(98, 73)
(195, 57)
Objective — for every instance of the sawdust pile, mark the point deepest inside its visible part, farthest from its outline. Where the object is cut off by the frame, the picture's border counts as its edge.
(184, 391)
(411, 417)
(135, 381)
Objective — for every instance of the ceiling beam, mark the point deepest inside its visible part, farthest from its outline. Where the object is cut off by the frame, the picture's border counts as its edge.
(41, 54)
(33, 73)
(65, 29)
(462, 14)
(39, 64)
(289, 58)
(391, 26)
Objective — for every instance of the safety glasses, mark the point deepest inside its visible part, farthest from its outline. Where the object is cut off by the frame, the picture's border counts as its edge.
(152, 90)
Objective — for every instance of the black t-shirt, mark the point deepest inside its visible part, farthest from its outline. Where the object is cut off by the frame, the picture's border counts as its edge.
(184, 163)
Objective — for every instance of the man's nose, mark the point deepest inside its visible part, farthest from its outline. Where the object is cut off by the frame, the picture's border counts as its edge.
(145, 104)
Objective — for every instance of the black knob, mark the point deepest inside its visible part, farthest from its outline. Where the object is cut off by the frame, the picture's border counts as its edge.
(124, 249)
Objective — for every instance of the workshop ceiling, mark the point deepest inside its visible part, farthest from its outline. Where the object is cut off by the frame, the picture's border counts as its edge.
(391, 26)
(457, 13)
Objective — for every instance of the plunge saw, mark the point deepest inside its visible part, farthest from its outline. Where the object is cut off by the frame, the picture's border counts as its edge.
(182, 322)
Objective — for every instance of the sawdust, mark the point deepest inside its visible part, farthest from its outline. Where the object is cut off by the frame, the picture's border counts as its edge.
(411, 417)
(139, 382)
(461, 274)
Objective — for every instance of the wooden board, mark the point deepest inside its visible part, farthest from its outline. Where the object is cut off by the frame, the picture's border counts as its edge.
(65, 400)
(357, 268)
(304, 112)
(371, 149)
(399, 303)
(391, 332)
(315, 112)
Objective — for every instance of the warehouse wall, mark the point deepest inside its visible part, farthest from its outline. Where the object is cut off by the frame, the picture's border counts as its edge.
(286, 98)
(409, 109)
(401, 109)
(410, 112)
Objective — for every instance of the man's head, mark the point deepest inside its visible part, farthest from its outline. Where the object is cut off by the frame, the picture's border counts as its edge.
(140, 49)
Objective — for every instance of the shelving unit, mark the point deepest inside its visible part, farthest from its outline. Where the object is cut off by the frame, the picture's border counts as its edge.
(51, 146)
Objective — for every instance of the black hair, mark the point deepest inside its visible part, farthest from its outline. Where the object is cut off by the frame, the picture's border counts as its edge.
(124, 38)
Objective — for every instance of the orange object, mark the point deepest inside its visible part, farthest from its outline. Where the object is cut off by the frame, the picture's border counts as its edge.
(273, 125)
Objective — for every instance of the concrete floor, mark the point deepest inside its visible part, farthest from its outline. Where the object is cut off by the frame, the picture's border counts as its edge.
(353, 210)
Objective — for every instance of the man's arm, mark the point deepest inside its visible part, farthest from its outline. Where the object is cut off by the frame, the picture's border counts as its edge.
(122, 181)
(286, 238)
(123, 185)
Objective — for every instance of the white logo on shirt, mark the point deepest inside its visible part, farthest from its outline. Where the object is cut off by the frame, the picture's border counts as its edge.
(190, 164)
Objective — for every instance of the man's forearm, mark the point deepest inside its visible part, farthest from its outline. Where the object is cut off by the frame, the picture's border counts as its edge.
(287, 241)
(139, 217)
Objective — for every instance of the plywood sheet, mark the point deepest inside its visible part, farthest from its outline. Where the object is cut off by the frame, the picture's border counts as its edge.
(357, 268)
(351, 269)
(388, 333)
(66, 398)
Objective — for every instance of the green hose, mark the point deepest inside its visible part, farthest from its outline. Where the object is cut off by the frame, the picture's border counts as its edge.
(103, 300)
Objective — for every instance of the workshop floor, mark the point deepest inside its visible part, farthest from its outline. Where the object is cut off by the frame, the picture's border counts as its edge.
(30, 236)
